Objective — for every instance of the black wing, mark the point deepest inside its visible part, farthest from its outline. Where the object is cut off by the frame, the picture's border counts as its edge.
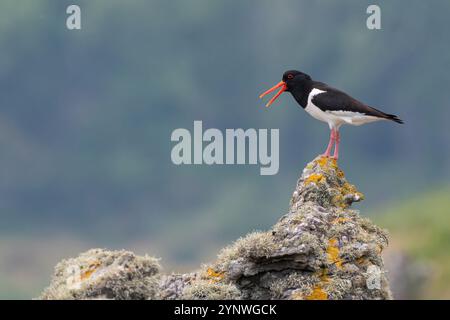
(335, 100)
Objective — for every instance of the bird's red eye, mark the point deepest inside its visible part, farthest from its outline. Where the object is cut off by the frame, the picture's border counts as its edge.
(290, 76)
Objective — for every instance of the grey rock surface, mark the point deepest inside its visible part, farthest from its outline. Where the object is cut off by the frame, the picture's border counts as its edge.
(103, 274)
(320, 249)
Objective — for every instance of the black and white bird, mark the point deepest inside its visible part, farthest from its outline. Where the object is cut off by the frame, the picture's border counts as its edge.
(327, 104)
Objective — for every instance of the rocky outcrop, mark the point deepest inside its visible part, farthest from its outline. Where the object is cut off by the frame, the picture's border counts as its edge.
(320, 249)
(102, 274)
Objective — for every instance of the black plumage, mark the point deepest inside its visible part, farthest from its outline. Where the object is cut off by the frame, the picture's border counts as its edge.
(300, 85)
(327, 104)
(336, 100)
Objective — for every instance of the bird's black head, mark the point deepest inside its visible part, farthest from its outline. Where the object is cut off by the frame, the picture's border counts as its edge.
(291, 80)
(293, 77)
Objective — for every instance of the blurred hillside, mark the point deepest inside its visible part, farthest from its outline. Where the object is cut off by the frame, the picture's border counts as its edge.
(421, 228)
(86, 118)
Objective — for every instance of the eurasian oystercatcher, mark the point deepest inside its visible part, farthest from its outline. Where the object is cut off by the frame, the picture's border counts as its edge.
(327, 104)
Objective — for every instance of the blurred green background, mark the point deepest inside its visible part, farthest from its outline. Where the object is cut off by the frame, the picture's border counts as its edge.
(86, 118)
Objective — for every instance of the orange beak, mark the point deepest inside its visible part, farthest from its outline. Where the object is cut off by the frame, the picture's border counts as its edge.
(281, 85)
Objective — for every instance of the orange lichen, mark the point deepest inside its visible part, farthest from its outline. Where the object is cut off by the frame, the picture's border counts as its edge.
(317, 294)
(338, 200)
(314, 178)
(333, 253)
(340, 220)
(345, 190)
(90, 270)
(211, 273)
(322, 161)
(348, 188)
(329, 164)
(333, 163)
(318, 291)
(340, 173)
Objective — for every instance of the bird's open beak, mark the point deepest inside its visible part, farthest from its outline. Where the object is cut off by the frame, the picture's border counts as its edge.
(281, 85)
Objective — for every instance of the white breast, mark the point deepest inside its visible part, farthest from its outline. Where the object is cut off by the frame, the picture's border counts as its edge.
(332, 120)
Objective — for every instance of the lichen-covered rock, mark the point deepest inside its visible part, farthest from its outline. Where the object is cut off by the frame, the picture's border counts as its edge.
(102, 274)
(324, 184)
(319, 250)
(208, 290)
(172, 286)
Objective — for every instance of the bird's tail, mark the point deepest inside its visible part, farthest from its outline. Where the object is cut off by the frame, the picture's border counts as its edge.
(393, 117)
(387, 116)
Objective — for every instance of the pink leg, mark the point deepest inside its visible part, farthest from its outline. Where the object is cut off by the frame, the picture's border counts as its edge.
(330, 144)
(336, 148)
